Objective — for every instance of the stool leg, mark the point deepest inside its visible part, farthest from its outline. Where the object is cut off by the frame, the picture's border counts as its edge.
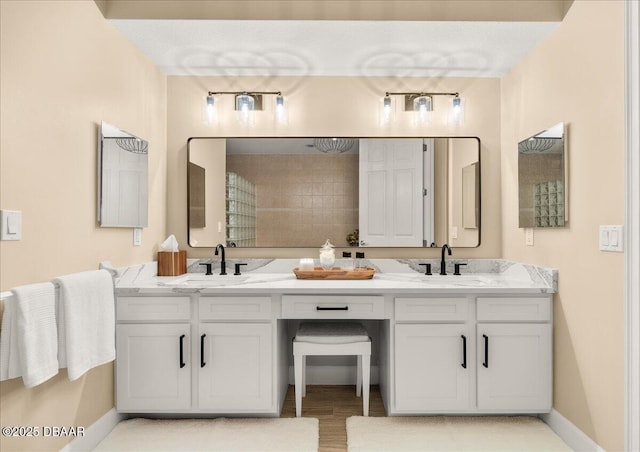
(304, 375)
(297, 370)
(359, 375)
(366, 372)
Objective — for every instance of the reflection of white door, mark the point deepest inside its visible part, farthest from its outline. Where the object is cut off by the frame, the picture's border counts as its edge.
(391, 201)
(124, 187)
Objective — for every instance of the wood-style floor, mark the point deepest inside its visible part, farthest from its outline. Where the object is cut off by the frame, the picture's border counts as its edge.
(332, 405)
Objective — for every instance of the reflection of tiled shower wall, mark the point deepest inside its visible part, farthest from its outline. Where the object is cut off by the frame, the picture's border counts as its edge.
(548, 201)
(302, 199)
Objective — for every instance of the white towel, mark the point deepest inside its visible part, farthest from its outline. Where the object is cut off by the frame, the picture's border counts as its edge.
(32, 334)
(86, 321)
(10, 366)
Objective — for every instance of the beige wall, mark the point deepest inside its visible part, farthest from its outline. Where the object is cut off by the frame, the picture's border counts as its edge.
(63, 70)
(577, 76)
(341, 106)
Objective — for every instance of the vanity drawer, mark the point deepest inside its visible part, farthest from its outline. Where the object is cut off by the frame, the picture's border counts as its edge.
(432, 309)
(154, 308)
(524, 309)
(332, 307)
(235, 308)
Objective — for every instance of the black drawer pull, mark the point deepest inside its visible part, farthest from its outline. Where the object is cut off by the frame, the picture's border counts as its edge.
(486, 351)
(202, 363)
(329, 308)
(182, 363)
(464, 351)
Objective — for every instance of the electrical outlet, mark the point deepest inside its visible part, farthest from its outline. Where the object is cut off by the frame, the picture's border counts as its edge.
(528, 236)
(137, 236)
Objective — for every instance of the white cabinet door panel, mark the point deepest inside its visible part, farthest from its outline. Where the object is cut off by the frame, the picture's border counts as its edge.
(514, 366)
(432, 372)
(235, 372)
(150, 374)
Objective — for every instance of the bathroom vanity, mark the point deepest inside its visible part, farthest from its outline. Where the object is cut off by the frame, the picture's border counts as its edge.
(475, 343)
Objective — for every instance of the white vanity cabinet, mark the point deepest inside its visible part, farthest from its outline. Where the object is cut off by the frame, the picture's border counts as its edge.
(195, 354)
(236, 358)
(514, 352)
(472, 355)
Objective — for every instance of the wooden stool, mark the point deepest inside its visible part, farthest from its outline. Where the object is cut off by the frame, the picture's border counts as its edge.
(332, 338)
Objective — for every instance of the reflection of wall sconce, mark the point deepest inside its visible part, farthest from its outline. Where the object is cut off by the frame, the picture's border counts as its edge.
(246, 103)
(421, 104)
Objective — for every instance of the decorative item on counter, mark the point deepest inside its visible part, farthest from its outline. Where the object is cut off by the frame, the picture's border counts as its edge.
(353, 238)
(306, 264)
(359, 258)
(171, 261)
(347, 261)
(327, 255)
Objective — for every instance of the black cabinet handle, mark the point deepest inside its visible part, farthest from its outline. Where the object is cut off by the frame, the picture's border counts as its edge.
(182, 363)
(329, 308)
(202, 363)
(464, 351)
(486, 351)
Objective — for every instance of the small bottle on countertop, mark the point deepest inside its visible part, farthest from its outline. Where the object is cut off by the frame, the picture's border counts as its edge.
(360, 260)
(347, 262)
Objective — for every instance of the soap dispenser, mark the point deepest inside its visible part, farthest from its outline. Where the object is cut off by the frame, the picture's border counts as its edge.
(327, 255)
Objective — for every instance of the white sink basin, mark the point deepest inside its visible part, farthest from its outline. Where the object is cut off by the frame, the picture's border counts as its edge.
(201, 280)
(468, 280)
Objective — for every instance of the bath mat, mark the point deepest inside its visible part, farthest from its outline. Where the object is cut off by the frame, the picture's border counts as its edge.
(222, 434)
(444, 433)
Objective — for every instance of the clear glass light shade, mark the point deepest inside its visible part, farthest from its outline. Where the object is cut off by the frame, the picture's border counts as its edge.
(422, 110)
(209, 107)
(387, 111)
(456, 117)
(245, 105)
(280, 111)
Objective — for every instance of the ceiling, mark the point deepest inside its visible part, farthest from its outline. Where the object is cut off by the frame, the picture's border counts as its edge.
(362, 38)
(334, 47)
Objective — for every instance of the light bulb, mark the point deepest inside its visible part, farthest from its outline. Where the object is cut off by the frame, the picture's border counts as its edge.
(386, 112)
(457, 111)
(208, 110)
(281, 112)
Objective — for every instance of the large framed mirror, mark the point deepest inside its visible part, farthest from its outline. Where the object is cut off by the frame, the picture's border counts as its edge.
(122, 178)
(301, 191)
(542, 170)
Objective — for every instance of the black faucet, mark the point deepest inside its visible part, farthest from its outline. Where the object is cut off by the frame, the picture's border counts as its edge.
(443, 264)
(223, 262)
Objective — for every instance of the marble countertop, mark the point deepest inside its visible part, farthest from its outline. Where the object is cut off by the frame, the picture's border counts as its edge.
(480, 276)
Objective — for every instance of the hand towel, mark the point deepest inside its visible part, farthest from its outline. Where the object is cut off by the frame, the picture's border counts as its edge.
(86, 321)
(33, 327)
(10, 366)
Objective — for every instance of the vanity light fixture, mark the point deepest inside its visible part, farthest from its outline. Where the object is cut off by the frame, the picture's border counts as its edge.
(421, 103)
(246, 102)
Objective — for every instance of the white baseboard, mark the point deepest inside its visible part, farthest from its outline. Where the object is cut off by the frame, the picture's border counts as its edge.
(575, 438)
(333, 375)
(95, 433)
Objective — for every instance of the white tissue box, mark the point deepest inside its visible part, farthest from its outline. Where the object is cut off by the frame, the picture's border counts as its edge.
(172, 263)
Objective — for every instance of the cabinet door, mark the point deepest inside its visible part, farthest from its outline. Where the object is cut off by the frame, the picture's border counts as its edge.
(153, 367)
(235, 369)
(514, 366)
(432, 372)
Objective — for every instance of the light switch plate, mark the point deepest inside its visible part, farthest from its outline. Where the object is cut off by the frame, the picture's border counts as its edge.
(611, 238)
(11, 225)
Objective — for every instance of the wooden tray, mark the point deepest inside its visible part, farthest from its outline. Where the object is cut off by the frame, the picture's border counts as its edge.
(334, 273)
